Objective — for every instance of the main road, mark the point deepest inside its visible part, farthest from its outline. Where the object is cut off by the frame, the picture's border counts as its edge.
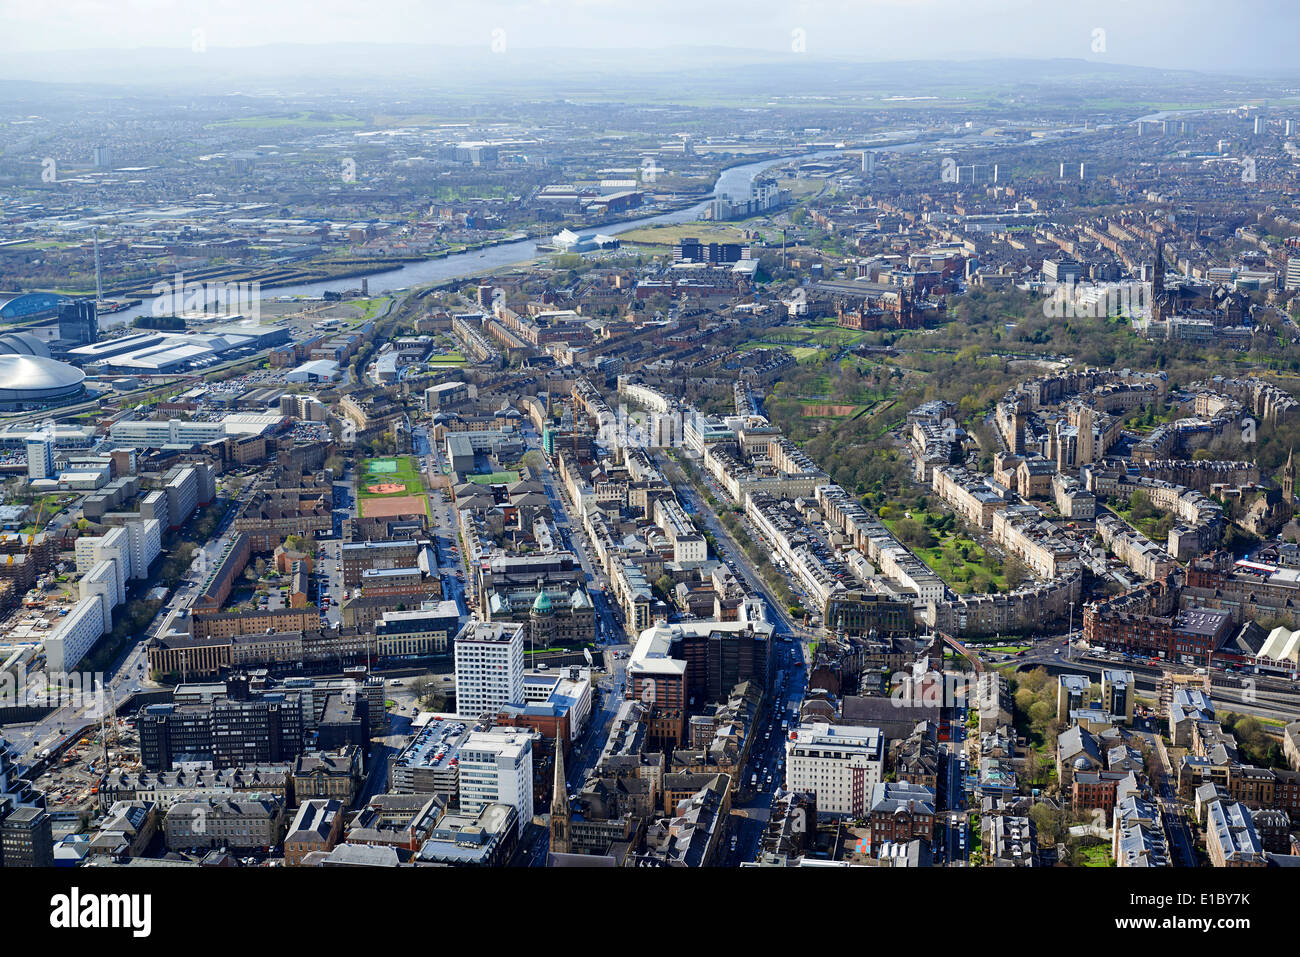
(736, 556)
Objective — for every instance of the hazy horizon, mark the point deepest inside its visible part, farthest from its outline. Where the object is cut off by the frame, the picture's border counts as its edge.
(1114, 32)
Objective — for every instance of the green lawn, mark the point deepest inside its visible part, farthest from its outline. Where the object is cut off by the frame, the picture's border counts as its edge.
(398, 470)
(668, 235)
(839, 338)
(1155, 527)
(800, 353)
(825, 335)
(307, 120)
(1097, 856)
(369, 307)
(496, 478)
(946, 557)
(40, 244)
(44, 508)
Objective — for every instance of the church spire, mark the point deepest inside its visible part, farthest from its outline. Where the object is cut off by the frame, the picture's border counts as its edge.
(1158, 270)
(1288, 478)
(561, 840)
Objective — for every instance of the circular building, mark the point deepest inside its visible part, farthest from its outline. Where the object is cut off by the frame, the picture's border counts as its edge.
(22, 344)
(30, 305)
(37, 380)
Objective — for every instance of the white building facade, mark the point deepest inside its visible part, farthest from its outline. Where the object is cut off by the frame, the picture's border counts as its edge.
(838, 763)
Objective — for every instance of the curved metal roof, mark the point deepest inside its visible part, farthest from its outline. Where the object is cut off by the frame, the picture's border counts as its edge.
(25, 373)
(23, 344)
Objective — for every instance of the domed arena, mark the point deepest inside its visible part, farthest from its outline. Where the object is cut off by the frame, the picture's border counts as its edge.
(32, 380)
(22, 344)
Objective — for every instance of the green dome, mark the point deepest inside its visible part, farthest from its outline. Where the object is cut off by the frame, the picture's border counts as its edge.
(542, 604)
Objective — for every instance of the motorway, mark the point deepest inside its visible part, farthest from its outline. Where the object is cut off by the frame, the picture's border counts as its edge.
(750, 815)
(952, 824)
(1263, 696)
(764, 772)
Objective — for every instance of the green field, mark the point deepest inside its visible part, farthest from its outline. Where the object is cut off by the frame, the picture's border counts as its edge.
(307, 120)
(668, 235)
(401, 470)
(946, 558)
(1098, 856)
(800, 353)
(822, 332)
(447, 359)
(496, 478)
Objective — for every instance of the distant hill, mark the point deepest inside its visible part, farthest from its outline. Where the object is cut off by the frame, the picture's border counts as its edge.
(684, 73)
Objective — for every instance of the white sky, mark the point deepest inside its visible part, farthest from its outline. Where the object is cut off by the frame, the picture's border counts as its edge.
(1205, 35)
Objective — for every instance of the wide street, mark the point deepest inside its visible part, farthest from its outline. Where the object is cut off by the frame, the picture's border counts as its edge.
(764, 772)
(736, 557)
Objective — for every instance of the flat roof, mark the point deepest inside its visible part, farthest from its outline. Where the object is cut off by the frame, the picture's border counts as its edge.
(1201, 621)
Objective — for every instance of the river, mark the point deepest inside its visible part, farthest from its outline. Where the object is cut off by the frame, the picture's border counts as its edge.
(733, 181)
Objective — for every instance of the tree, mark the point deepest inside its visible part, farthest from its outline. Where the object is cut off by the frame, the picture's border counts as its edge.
(1038, 766)
(1052, 823)
(915, 534)
(422, 686)
(1014, 572)
(1140, 506)
(1041, 712)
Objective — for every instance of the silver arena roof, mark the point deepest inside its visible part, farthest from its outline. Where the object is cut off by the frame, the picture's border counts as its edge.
(33, 378)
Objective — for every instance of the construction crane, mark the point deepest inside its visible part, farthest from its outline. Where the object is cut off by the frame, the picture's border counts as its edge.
(108, 720)
(31, 539)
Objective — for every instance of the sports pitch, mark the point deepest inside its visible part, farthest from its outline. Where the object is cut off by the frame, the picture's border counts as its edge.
(388, 478)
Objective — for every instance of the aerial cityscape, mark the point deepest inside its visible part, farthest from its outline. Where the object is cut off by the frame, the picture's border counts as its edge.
(648, 456)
